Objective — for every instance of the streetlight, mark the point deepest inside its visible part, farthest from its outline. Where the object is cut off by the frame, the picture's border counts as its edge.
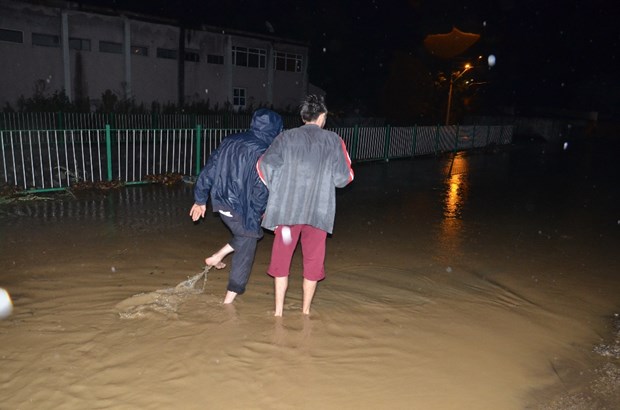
(453, 77)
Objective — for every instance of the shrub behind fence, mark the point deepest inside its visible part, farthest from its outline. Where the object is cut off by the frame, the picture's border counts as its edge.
(85, 121)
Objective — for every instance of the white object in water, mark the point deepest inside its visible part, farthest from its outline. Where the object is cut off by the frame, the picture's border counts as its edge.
(6, 304)
(286, 235)
(491, 60)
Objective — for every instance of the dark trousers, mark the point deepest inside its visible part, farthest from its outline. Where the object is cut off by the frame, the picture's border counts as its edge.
(243, 257)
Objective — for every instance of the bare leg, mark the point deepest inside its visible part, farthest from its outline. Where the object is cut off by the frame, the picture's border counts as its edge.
(230, 297)
(309, 289)
(216, 258)
(280, 289)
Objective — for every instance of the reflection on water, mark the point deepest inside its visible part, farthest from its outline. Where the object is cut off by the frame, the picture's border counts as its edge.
(456, 189)
(453, 199)
(125, 203)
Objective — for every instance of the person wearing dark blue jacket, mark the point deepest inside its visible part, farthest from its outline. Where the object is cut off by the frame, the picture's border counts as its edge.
(230, 179)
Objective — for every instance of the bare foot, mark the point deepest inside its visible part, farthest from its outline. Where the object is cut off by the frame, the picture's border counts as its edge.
(230, 297)
(215, 262)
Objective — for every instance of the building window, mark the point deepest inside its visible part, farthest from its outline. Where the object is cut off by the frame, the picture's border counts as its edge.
(140, 51)
(79, 44)
(239, 97)
(166, 53)
(249, 57)
(110, 47)
(192, 55)
(287, 62)
(46, 40)
(215, 59)
(12, 36)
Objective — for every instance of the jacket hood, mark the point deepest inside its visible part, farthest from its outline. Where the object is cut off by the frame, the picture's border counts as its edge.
(266, 125)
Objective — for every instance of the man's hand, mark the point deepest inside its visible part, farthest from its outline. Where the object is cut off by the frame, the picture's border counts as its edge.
(197, 212)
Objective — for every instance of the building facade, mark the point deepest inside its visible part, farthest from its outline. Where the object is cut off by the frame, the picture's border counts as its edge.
(57, 45)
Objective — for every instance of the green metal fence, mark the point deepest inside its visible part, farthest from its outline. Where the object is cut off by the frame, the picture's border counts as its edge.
(47, 160)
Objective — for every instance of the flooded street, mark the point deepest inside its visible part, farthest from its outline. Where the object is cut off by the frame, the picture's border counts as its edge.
(483, 281)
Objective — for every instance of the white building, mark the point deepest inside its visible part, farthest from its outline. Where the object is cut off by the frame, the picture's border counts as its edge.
(86, 51)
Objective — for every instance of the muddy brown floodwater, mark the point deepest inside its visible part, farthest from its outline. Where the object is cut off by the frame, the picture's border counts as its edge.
(493, 287)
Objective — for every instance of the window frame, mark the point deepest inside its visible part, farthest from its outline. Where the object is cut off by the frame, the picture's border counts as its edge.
(110, 47)
(289, 62)
(251, 57)
(193, 56)
(82, 41)
(239, 95)
(219, 59)
(167, 53)
(38, 40)
(10, 31)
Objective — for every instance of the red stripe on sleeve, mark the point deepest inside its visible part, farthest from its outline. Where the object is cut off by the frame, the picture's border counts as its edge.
(348, 158)
(260, 174)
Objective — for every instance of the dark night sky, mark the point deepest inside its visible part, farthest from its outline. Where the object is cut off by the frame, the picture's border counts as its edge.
(560, 54)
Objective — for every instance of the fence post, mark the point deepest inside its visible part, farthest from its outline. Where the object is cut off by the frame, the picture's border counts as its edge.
(456, 138)
(473, 137)
(108, 149)
(60, 124)
(386, 147)
(414, 138)
(111, 120)
(437, 139)
(356, 133)
(198, 150)
(488, 135)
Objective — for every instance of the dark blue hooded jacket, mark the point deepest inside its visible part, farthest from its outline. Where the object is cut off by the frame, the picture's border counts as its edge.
(230, 177)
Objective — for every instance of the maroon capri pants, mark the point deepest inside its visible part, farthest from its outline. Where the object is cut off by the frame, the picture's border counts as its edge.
(312, 249)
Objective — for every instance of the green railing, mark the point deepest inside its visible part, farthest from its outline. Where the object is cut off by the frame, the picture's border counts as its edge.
(48, 160)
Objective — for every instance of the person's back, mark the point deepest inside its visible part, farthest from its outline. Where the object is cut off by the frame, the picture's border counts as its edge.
(303, 190)
(231, 180)
(230, 176)
(302, 169)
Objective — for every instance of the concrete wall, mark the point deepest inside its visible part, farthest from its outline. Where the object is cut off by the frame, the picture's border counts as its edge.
(18, 69)
(128, 74)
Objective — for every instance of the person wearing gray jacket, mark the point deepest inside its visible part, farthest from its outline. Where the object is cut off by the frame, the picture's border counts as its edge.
(302, 169)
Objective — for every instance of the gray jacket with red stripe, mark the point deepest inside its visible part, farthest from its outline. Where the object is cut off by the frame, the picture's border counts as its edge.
(302, 169)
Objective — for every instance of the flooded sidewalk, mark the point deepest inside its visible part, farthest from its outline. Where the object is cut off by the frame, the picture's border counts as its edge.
(483, 280)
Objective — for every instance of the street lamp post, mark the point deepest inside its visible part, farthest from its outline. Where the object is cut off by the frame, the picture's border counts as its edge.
(453, 78)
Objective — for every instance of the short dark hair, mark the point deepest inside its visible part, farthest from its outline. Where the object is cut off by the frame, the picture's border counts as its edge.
(311, 107)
